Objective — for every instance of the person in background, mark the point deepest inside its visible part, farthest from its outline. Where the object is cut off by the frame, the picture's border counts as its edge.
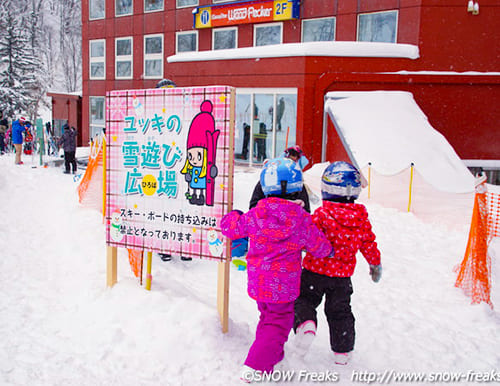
(166, 83)
(279, 229)
(260, 140)
(347, 227)
(68, 143)
(246, 140)
(4, 126)
(18, 128)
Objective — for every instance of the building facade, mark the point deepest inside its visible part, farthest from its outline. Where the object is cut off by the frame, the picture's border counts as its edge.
(283, 56)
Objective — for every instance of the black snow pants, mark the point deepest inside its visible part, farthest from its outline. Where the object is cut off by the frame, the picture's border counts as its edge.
(69, 159)
(337, 291)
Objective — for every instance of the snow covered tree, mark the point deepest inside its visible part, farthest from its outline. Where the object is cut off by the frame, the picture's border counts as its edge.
(71, 43)
(17, 62)
(40, 50)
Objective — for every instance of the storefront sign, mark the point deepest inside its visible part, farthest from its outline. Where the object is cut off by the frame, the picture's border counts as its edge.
(245, 12)
(168, 169)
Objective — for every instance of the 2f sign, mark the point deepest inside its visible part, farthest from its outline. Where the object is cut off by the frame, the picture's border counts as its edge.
(282, 10)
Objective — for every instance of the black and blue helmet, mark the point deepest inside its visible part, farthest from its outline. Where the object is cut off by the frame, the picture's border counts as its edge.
(281, 176)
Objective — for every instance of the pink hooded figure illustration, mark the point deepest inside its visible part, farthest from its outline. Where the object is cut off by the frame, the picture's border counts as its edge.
(200, 169)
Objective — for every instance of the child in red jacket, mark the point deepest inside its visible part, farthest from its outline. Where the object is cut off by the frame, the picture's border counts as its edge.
(346, 225)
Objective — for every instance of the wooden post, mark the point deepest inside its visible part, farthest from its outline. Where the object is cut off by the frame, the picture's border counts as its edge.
(112, 253)
(223, 292)
(223, 269)
(149, 277)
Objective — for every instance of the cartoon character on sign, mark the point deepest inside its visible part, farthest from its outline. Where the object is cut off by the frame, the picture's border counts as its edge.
(214, 243)
(200, 169)
(115, 226)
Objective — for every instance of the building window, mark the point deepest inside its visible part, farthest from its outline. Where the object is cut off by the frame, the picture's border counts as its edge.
(318, 30)
(123, 7)
(187, 41)
(266, 123)
(153, 56)
(96, 9)
(224, 38)
(186, 3)
(96, 116)
(97, 59)
(267, 34)
(123, 58)
(378, 27)
(153, 5)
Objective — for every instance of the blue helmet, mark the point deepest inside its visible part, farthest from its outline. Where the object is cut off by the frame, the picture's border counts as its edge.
(281, 176)
(340, 180)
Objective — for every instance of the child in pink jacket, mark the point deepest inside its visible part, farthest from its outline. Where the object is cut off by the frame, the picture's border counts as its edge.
(278, 229)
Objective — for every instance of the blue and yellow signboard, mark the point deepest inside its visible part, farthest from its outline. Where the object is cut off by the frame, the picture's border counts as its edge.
(244, 12)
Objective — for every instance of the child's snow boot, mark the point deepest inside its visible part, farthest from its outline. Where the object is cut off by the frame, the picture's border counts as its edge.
(341, 358)
(304, 336)
(247, 374)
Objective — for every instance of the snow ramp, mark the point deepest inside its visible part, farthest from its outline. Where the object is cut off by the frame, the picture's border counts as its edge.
(384, 133)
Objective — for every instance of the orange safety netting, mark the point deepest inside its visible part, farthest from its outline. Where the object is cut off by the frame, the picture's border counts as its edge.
(474, 275)
(90, 189)
(90, 193)
(135, 257)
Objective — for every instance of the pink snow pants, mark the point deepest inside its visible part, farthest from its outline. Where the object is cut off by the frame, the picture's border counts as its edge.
(275, 323)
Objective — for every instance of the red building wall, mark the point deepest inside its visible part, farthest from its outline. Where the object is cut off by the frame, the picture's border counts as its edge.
(68, 107)
(451, 41)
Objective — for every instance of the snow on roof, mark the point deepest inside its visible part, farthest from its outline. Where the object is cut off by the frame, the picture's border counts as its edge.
(388, 129)
(338, 48)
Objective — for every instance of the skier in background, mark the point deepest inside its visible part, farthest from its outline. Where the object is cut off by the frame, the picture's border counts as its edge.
(18, 128)
(347, 227)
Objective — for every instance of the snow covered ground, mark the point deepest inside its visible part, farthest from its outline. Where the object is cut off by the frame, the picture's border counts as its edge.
(60, 325)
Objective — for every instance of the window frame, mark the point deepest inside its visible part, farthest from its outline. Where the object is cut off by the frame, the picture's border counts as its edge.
(93, 124)
(154, 56)
(154, 10)
(215, 30)
(99, 59)
(373, 13)
(304, 21)
(265, 25)
(124, 58)
(190, 32)
(275, 92)
(90, 13)
(125, 14)
(187, 6)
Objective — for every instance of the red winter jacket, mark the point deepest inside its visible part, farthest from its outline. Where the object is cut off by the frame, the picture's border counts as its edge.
(348, 229)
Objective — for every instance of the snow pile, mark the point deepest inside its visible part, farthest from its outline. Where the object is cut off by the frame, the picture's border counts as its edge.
(61, 325)
(388, 130)
(337, 48)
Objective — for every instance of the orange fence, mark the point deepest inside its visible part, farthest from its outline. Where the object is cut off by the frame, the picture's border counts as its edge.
(474, 273)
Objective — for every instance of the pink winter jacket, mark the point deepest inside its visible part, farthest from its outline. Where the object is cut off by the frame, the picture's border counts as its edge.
(278, 231)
